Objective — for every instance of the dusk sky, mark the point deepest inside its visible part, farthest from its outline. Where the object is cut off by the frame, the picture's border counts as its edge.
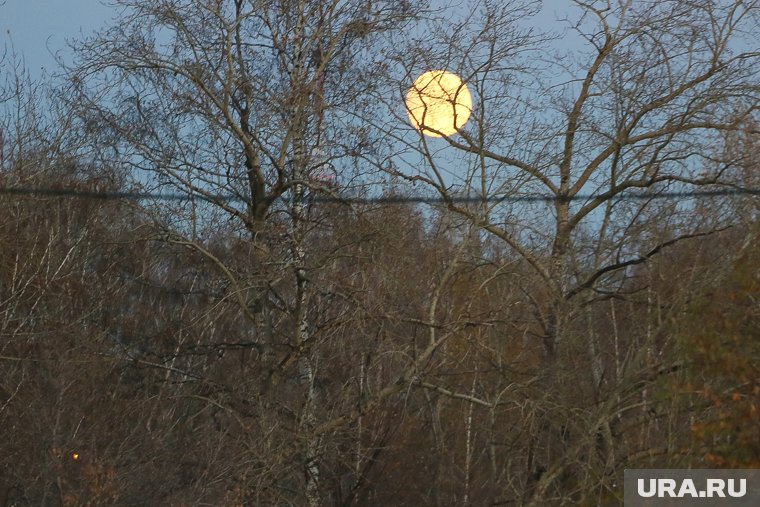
(39, 28)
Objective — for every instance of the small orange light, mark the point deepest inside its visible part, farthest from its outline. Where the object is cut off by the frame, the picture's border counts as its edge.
(75, 455)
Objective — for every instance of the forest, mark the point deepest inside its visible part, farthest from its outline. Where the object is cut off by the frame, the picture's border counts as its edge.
(234, 273)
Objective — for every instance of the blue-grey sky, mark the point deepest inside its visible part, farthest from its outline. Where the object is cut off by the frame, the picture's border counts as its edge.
(37, 28)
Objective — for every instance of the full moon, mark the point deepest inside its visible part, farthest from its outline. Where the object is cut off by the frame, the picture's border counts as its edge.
(438, 103)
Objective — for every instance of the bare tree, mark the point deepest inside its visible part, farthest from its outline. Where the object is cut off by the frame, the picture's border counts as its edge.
(257, 100)
(642, 106)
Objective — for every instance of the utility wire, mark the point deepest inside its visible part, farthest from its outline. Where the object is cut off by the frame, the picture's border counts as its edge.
(231, 198)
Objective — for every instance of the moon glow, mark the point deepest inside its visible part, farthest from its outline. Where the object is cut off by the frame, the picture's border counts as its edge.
(438, 103)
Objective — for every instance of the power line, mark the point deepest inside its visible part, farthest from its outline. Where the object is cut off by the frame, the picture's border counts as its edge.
(388, 199)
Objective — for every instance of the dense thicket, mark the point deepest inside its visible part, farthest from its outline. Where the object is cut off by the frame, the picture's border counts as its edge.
(127, 372)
